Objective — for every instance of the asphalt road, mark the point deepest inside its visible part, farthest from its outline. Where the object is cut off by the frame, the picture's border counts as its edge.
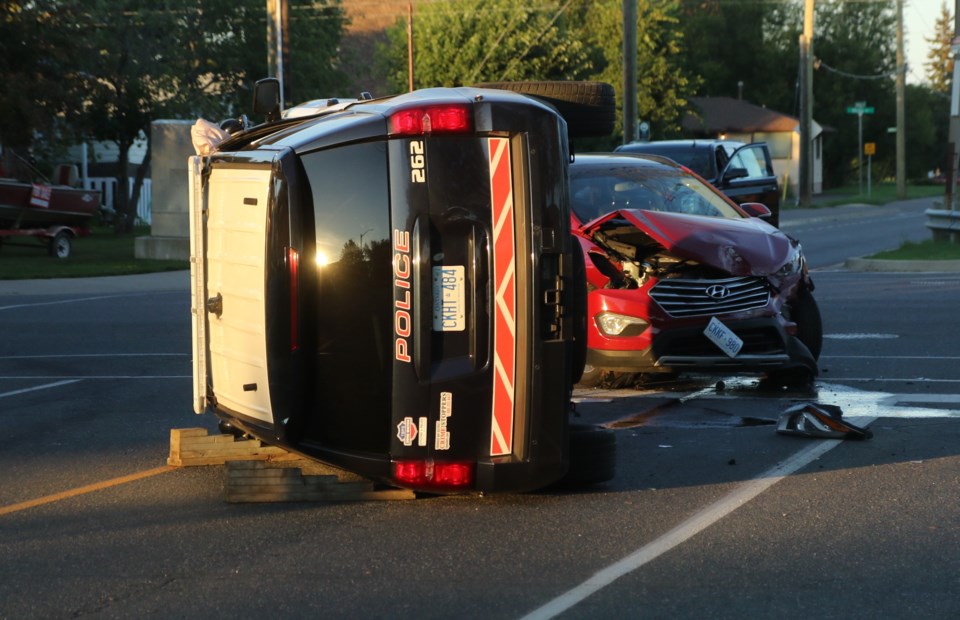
(712, 513)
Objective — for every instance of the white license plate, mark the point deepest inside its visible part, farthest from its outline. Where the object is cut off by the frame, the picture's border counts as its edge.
(723, 337)
(448, 306)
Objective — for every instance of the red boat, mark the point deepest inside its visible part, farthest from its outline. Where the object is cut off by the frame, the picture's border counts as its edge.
(28, 205)
(54, 214)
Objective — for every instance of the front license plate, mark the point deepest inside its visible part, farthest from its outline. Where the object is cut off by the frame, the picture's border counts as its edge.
(448, 307)
(722, 336)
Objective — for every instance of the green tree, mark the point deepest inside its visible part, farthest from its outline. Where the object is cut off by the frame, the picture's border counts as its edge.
(662, 84)
(469, 41)
(104, 69)
(939, 65)
(33, 53)
(855, 47)
(746, 50)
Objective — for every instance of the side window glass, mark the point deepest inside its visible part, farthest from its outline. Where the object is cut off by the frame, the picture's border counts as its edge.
(753, 161)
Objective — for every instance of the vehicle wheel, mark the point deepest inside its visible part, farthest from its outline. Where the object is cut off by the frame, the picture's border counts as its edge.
(806, 314)
(591, 377)
(588, 107)
(60, 245)
(578, 303)
(593, 455)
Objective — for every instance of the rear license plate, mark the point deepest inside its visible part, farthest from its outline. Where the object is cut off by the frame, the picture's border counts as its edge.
(722, 336)
(448, 307)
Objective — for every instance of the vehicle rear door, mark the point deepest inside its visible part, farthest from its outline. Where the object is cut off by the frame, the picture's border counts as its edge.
(228, 244)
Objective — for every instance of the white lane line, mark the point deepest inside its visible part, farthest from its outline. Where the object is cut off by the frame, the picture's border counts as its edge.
(39, 387)
(689, 528)
(67, 301)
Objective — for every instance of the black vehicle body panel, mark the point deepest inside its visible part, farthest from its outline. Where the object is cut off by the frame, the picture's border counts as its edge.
(360, 374)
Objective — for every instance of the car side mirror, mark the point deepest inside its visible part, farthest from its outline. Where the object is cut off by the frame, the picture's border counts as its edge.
(757, 209)
(266, 98)
(734, 173)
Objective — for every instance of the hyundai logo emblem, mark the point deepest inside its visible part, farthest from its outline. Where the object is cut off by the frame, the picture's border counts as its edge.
(718, 291)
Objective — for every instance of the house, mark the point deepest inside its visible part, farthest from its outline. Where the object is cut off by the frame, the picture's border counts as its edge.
(736, 119)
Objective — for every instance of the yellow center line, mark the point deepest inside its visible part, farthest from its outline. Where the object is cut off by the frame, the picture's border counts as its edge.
(90, 488)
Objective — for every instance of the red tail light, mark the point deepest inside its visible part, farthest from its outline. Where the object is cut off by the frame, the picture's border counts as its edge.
(430, 474)
(454, 118)
(293, 267)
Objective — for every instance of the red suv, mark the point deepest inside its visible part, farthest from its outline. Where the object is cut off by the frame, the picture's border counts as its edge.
(680, 278)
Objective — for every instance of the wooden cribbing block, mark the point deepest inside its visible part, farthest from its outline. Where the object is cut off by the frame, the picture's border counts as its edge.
(289, 478)
(194, 446)
(252, 481)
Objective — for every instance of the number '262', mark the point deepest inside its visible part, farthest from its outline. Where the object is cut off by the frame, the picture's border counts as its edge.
(417, 162)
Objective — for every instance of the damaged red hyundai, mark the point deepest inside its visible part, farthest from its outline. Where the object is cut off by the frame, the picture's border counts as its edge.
(683, 280)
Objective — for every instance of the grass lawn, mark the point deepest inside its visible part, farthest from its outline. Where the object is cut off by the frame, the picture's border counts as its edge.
(880, 193)
(925, 250)
(102, 253)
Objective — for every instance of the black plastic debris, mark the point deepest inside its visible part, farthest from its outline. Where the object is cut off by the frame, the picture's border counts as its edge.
(821, 421)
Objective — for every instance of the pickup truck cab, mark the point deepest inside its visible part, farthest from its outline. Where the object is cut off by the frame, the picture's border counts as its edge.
(390, 286)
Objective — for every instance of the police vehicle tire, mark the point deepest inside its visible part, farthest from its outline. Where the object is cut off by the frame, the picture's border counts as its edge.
(593, 455)
(588, 107)
(806, 314)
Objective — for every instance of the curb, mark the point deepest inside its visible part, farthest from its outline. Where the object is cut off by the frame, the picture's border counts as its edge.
(916, 266)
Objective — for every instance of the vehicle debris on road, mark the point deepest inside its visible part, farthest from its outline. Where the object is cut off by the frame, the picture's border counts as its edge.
(819, 421)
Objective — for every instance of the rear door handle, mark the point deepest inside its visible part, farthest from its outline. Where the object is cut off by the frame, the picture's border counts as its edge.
(215, 305)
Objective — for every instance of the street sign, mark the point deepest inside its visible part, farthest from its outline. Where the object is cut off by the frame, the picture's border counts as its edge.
(860, 109)
(870, 148)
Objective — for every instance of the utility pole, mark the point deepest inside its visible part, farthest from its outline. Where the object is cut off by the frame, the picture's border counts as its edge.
(630, 71)
(901, 96)
(410, 46)
(275, 43)
(806, 106)
(954, 138)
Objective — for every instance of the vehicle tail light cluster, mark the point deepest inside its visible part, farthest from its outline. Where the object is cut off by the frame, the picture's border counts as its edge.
(453, 118)
(430, 474)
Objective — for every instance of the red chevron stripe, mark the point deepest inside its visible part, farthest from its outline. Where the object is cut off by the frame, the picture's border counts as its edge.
(505, 299)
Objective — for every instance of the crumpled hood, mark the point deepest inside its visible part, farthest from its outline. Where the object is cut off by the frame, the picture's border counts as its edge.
(740, 247)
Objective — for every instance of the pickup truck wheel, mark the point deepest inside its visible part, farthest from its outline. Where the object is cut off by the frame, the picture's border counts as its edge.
(588, 107)
(60, 245)
(593, 455)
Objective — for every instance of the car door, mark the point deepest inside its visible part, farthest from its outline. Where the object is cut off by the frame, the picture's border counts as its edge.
(749, 177)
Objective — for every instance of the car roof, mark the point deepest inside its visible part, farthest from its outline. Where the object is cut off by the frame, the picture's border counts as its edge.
(699, 143)
(582, 160)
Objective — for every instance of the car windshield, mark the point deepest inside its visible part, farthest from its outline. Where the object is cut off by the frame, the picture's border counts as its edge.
(598, 190)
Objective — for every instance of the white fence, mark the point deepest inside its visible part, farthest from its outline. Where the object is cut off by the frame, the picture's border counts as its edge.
(108, 187)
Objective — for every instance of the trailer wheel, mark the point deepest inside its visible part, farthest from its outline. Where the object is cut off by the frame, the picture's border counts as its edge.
(593, 455)
(588, 107)
(60, 245)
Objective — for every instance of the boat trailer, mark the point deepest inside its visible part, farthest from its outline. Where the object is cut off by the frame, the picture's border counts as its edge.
(57, 238)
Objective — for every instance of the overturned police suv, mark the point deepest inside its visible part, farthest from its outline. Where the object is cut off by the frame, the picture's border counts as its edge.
(390, 285)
